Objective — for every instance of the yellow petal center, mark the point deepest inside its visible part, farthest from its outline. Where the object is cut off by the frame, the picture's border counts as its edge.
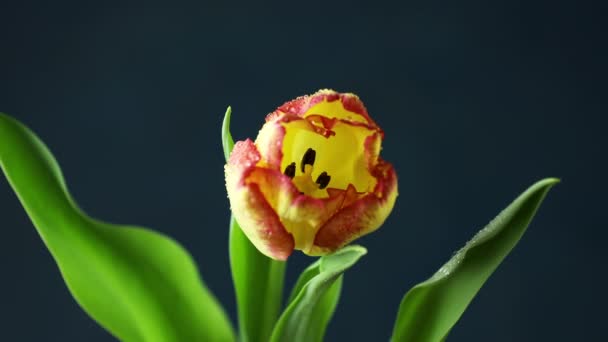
(340, 156)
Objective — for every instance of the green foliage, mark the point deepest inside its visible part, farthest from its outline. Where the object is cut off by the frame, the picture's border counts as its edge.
(308, 313)
(430, 309)
(227, 141)
(325, 308)
(143, 286)
(258, 280)
(136, 283)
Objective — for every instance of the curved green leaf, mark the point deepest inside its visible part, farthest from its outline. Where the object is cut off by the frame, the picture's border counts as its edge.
(325, 308)
(309, 312)
(136, 283)
(310, 272)
(227, 141)
(258, 280)
(430, 309)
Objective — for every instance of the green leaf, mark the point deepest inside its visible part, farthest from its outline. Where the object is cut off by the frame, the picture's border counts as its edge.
(258, 280)
(325, 308)
(307, 315)
(136, 283)
(227, 141)
(430, 309)
(310, 272)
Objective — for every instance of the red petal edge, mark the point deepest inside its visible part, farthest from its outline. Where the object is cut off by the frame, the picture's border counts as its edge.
(300, 105)
(361, 217)
(256, 217)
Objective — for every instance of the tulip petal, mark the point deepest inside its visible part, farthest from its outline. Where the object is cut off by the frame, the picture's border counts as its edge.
(361, 217)
(258, 280)
(256, 217)
(346, 106)
(269, 143)
(300, 215)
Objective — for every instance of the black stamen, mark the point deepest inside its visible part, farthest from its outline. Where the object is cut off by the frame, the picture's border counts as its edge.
(323, 180)
(290, 170)
(308, 159)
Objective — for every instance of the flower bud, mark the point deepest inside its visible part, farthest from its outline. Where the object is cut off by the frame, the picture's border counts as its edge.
(313, 179)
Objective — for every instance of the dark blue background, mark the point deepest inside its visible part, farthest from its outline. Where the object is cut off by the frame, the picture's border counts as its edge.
(478, 100)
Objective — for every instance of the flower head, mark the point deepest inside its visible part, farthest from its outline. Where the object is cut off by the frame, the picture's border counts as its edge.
(313, 179)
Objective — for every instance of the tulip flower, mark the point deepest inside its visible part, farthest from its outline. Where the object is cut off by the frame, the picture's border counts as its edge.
(313, 180)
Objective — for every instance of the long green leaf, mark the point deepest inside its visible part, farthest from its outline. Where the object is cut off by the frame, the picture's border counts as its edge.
(136, 283)
(325, 308)
(309, 312)
(258, 280)
(430, 309)
(310, 272)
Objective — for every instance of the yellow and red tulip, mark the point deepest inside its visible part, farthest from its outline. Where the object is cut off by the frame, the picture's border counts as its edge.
(313, 179)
